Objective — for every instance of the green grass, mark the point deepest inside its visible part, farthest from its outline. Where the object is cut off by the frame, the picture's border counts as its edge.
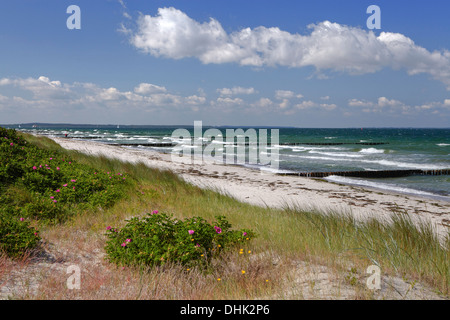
(335, 239)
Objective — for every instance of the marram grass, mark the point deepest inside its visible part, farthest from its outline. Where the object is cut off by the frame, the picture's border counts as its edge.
(336, 239)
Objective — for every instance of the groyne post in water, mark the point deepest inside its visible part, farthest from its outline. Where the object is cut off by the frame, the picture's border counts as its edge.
(370, 174)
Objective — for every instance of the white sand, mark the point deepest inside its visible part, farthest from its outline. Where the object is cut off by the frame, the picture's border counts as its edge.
(268, 189)
(305, 281)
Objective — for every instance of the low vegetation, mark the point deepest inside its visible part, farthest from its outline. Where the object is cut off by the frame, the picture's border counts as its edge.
(158, 239)
(44, 185)
(176, 241)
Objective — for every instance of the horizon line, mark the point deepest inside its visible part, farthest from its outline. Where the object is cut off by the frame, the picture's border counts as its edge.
(205, 125)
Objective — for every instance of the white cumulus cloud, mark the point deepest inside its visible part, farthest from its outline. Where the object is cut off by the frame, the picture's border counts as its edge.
(236, 91)
(286, 94)
(329, 46)
(148, 88)
(447, 102)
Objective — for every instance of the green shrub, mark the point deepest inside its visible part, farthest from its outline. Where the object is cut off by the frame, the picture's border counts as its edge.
(45, 210)
(51, 175)
(16, 236)
(48, 186)
(159, 238)
(12, 151)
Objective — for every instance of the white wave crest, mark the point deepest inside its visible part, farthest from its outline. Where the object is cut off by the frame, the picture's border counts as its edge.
(371, 150)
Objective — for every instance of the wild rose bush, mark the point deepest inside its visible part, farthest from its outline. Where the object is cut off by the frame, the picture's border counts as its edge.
(17, 237)
(55, 182)
(158, 238)
(11, 147)
(46, 185)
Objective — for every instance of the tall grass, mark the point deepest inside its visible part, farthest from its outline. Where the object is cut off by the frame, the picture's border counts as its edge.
(336, 239)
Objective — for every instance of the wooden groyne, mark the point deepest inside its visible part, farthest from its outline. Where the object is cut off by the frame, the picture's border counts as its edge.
(307, 143)
(83, 137)
(156, 145)
(370, 174)
(332, 143)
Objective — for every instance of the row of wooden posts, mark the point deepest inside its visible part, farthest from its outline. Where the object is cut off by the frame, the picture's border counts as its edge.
(370, 174)
(358, 174)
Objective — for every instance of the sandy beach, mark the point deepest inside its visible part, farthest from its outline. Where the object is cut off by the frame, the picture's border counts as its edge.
(303, 279)
(271, 190)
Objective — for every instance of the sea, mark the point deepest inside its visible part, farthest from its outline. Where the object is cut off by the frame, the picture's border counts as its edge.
(301, 150)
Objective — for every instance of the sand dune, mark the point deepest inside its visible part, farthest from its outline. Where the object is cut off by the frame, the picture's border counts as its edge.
(268, 189)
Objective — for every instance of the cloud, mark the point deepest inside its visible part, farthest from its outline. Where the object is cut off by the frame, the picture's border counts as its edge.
(393, 106)
(41, 88)
(48, 100)
(286, 94)
(173, 34)
(263, 103)
(5, 81)
(228, 102)
(227, 105)
(383, 104)
(284, 104)
(195, 100)
(328, 106)
(360, 103)
(447, 102)
(122, 3)
(305, 105)
(148, 88)
(236, 91)
(55, 96)
(329, 46)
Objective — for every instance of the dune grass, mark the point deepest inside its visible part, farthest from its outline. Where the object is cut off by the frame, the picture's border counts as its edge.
(335, 239)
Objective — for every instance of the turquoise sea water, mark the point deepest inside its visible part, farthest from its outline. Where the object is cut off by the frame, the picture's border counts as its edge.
(312, 150)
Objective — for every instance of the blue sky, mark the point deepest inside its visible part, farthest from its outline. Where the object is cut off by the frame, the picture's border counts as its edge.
(242, 63)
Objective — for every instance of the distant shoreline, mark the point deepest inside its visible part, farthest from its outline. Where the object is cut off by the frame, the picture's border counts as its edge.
(125, 126)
